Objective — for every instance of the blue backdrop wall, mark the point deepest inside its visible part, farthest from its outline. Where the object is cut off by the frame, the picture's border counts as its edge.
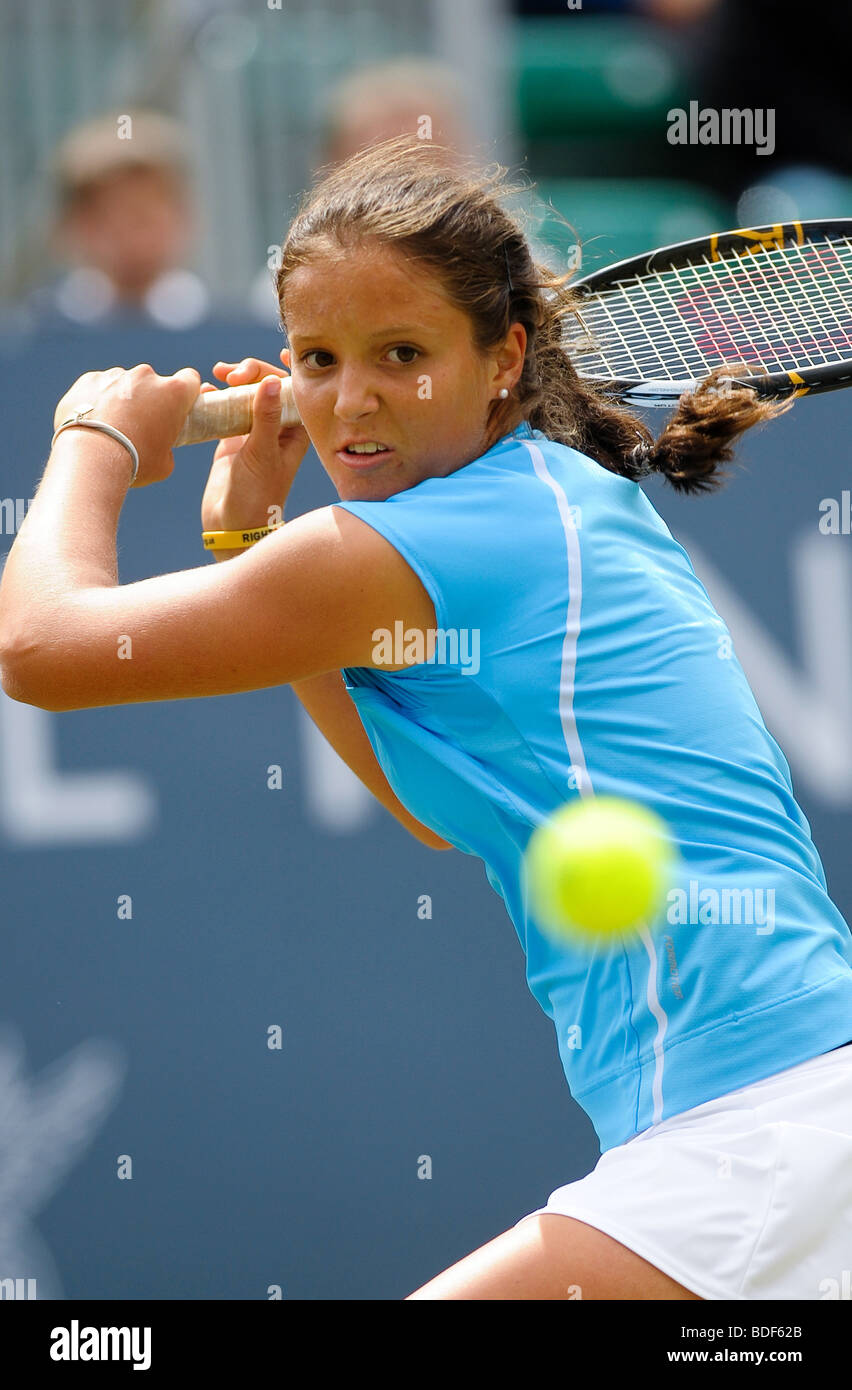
(153, 1144)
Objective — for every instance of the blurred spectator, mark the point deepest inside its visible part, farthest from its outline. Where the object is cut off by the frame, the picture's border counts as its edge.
(125, 225)
(374, 103)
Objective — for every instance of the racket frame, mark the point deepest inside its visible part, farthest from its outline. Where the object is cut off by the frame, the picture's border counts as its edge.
(664, 394)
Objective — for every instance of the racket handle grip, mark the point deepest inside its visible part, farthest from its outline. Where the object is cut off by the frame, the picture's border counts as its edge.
(220, 414)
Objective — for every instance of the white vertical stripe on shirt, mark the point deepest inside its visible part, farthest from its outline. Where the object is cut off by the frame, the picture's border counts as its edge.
(572, 737)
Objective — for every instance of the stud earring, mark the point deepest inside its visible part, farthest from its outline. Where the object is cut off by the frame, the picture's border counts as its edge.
(503, 394)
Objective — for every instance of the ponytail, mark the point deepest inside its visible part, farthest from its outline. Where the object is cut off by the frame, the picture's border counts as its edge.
(695, 442)
(700, 435)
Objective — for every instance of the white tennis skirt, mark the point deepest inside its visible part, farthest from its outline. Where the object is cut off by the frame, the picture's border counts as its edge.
(745, 1197)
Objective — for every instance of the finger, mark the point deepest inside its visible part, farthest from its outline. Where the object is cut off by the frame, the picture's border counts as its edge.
(225, 371)
(261, 447)
(209, 386)
(248, 370)
(192, 379)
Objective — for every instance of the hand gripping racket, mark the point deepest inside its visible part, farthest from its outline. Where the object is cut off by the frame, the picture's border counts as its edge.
(776, 301)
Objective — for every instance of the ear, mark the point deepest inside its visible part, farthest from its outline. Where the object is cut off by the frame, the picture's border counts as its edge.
(510, 357)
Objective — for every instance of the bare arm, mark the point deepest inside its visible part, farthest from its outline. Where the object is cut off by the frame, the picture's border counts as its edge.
(235, 499)
(304, 600)
(301, 603)
(326, 701)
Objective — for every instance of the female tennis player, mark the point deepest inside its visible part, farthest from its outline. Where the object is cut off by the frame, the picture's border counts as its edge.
(486, 490)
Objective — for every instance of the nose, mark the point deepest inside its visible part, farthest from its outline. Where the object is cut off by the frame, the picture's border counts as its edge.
(356, 396)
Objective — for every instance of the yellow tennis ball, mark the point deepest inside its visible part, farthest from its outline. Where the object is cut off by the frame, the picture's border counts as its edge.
(598, 869)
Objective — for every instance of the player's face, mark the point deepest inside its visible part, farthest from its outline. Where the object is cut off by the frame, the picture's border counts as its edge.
(379, 354)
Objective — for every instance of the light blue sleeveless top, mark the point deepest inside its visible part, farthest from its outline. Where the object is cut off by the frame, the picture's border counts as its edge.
(578, 654)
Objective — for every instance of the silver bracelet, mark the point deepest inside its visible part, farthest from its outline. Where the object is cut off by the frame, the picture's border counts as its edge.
(107, 429)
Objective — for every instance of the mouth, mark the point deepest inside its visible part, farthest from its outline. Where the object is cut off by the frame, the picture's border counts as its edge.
(363, 462)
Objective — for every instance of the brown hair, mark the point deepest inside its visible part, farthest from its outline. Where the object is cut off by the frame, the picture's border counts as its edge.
(447, 216)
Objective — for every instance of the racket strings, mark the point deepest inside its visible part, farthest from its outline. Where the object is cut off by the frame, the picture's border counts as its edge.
(776, 310)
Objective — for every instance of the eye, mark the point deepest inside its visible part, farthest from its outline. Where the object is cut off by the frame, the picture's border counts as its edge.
(401, 347)
(404, 347)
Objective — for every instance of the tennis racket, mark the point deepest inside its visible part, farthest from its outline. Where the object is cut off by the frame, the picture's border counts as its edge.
(776, 301)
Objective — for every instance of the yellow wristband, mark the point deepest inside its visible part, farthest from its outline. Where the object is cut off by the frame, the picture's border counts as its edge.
(235, 540)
